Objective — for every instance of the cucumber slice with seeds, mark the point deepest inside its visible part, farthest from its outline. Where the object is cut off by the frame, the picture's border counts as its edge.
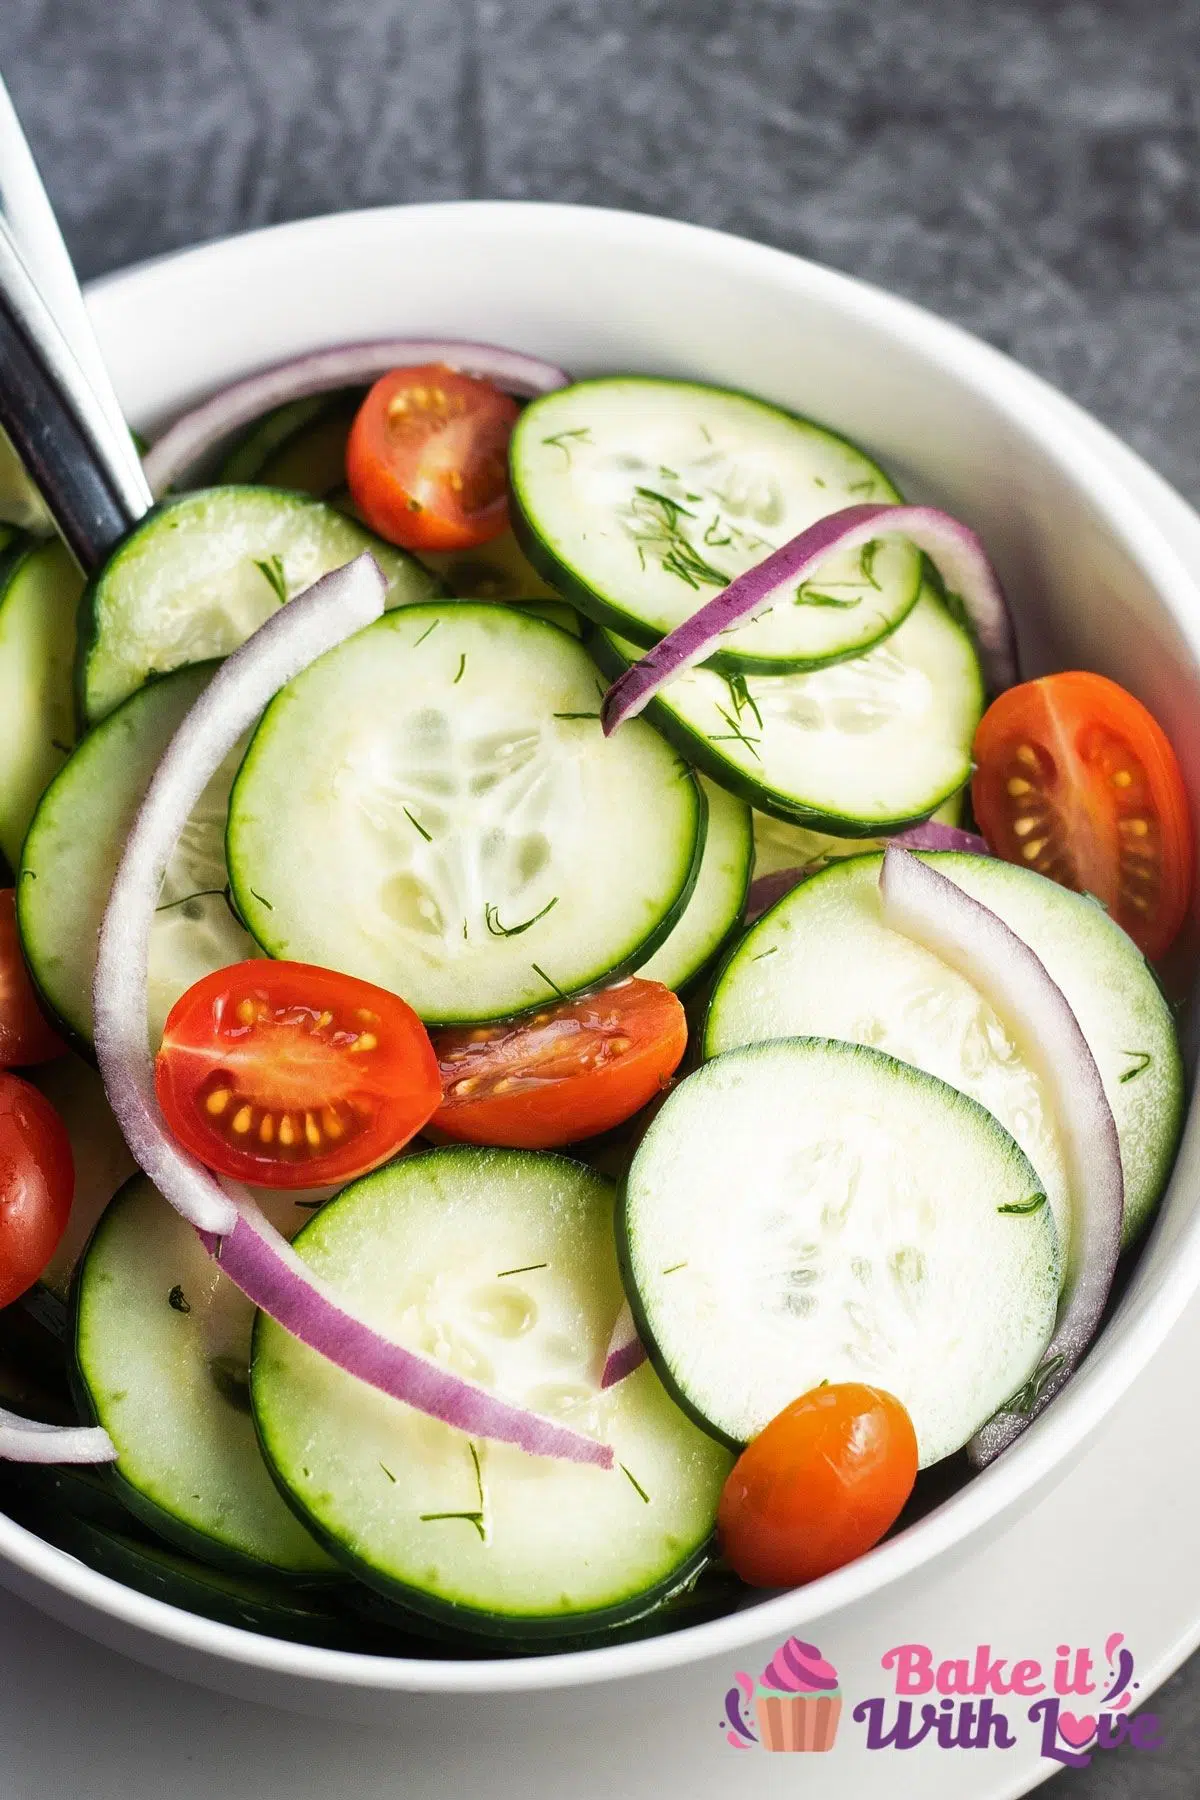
(75, 842)
(162, 1346)
(502, 1263)
(885, 1229)
(39, 597)
(471, 816)
(203, 571)
(822, 961)
(640, 499)
(859, 749)
(718, 899)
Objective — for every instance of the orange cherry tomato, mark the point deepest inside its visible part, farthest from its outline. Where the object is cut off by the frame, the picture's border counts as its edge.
(427, 458)
(293, 1076)
(818, 1486)
(567, 1073)
(1075, 779)
(25, 1035)
(37, 1183)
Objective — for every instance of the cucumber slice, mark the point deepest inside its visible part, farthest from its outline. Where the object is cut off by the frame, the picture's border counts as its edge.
(252, 1604)
(718, 898)
(102, 1165)
(75, 842)
(780, 845)
(823, 961)
(495, 571)
(805, 1211)
(203, 571)
(20, 502)
(859, 749)
(449, 762)
(301, 446)
(39, 597)
(640, 499)
(502, 1263)
(162, 1347)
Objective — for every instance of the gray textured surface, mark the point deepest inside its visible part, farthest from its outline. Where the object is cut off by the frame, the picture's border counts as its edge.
(1027, 168)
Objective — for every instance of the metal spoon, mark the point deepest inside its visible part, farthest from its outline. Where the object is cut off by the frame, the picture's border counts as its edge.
(57, 402)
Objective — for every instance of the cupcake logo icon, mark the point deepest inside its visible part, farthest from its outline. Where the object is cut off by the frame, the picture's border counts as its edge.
(795, 1704)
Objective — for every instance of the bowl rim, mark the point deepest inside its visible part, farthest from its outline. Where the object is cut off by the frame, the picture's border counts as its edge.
(1035, 410)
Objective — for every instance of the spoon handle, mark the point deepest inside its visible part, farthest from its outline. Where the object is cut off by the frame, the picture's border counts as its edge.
(57, 402)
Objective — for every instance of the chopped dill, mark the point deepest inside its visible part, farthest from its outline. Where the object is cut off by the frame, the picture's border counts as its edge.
(427, 633)
(635, 1484)
(491, 918)
(1142, 1058)
(525, 1269)
(388, 1473)
(200, 894)
(765, 953)
(562, 440)
(427, 835)
(259, 898)
(1021, 1208)
(579, 715)
(550, 984)
(742, 697)
(462, 664)
(675, 1268)
(272, 571)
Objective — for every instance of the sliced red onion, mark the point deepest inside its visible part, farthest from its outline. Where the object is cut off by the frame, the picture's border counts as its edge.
(261, 1262)
(925, 906)
(932, 836)
(625, 1351)
(951, 546)
(324, 371)
(30, 1441)
(765, 890)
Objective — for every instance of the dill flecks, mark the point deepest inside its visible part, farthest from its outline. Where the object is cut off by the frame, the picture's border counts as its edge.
(657, 517)
(866, 562)
(259, 898)
(200, 894)
(562, 440)
(735, 731)
(550, 984)
(462, 664)
(525, 1269)
(388, 1473)
(491, 918)
(432, 628)
(428, 836)
(579, 715)
(764, 953)
(272, 571)
(471, 1518)
(1142, 1059)
(635, 1484)
(1034, 1204)
(742, 698)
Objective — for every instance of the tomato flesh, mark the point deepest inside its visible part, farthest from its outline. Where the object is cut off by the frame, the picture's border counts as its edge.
(25, 1035)
(427, 458)
(293, 1076)
(564, 1074)
(1075, 779)
(819, 1485)
(37, 1183)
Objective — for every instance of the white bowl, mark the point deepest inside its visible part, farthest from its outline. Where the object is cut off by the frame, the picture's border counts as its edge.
(1093, 579)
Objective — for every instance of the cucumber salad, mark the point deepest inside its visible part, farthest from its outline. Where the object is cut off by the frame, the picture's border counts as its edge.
(576, 1043)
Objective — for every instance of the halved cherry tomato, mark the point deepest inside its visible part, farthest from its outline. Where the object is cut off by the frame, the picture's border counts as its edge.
(1075, 779)
(818, 1486)
(37, 1183)
(25, 1036)
(293, 1076)
(427, 459)
(565, 1073)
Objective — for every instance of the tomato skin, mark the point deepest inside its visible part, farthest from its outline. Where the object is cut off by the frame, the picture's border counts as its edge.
(293, 1076)
(818, 1486)
(37, 1184)
(26, 1036)
(572, 1070)
(1076, 780)
(427, 458)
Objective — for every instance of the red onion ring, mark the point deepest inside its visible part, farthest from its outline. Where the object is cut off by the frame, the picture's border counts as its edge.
(249, 1251)
(951, 546)
(933, 836)
(323, 371)
(765, 890)
(30, 1441)
(625, 1351)
(931, 910)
